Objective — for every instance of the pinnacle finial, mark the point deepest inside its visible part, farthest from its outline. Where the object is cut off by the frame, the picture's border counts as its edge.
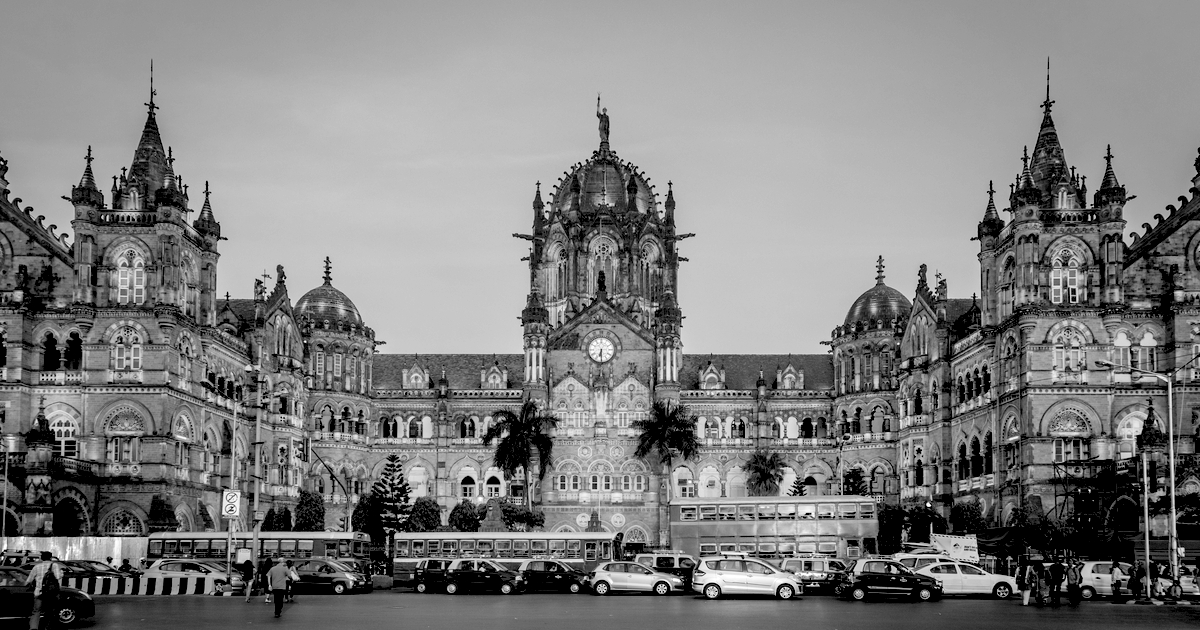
(89, 157)
(991, 192)
(151, 104)
(1047, 104)
(1108, 156)
(879, 270)
(171, 156)
(328, 271)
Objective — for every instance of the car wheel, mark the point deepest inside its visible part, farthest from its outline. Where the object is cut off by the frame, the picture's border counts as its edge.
(421, 588)
(662, 588)
(506, 589)
(785, 592)
(600, 588)
(712, 591)
(858, 593)
(924, 593)
(67, 615)
(451, 588)
(1002, 591)
(839, 589)
(574, 587)
(1087, 592)
(339, 588)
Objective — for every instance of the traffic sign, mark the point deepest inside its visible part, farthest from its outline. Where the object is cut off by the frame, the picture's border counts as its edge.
(231, 504)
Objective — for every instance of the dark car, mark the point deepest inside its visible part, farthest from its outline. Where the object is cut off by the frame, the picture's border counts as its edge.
(430, 575)
(90, 568)
(817, 573)
(404, 572)
(16, 599)
(328, 575)
(552, 576)
(887, 578)
(481, 576)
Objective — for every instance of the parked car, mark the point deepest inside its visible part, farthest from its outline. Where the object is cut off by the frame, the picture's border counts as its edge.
(404, 572)
(16, 599)
(959, 578)
(175, 568)
(815, 572)
(430, 575)
(90, 568)
(324, 574)
(1095, 579)
(631, 576)
(551, 575)
(481, 576)
(719, 575)
(916, 561)
(673, 562)
(887, 578)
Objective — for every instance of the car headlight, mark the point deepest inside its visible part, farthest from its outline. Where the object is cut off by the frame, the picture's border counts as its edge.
(937, 583)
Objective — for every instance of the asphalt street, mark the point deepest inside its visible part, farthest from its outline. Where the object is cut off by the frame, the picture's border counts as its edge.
(404, 609)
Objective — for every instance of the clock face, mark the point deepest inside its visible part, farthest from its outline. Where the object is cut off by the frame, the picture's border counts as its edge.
(601, 349)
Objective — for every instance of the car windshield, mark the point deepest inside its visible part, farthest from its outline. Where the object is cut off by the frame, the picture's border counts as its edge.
(341, 567)
(488, 565)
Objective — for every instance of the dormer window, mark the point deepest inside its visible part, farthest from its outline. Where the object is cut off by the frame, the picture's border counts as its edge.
(1063, 199)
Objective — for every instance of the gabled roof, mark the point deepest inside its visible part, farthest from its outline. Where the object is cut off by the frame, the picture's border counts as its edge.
(462, 370)
(741, 370)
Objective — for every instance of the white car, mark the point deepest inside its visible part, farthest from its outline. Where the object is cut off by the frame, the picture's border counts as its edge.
(1095, 579)
(960, 578)
(192, 569)
(719, 575)
(631, 576)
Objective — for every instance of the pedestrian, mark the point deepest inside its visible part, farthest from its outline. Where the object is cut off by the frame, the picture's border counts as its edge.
(1042, 585)
(125, 566)
(1074, 581)
(1023, 580)
(46, 578)
(264, 565)
(1138, 581)
(277, 581)
(1152, 587)
(108, 561)
(1057, 573)
(246, 568)
(292, 578)
(1115, 576)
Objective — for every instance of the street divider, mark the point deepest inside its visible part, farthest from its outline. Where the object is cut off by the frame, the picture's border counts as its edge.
(146, 586)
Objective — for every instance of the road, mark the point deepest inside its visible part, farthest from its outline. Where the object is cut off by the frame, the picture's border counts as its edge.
(403, 609)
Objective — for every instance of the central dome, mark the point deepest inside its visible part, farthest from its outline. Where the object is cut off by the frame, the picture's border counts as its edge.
(880, 302)
(327, 303)
(605, 181)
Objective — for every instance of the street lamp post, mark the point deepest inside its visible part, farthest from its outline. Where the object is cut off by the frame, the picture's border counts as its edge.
(1172, 536)
(256, 372)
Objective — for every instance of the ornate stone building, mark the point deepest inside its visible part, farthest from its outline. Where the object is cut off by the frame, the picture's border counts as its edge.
(152, 385)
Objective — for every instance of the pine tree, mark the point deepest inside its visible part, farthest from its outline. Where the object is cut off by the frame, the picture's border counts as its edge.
(853, 483)
(426, 516)
(310, 513)
(798, 488)
(391, 494)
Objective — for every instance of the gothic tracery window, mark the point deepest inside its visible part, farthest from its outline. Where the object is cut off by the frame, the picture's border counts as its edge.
(131, 278)
(127, 350)
(1064, 279)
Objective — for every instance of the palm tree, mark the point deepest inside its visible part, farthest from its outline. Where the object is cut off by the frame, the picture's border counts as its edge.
(669, 432)
(517, 435)
(764, 471)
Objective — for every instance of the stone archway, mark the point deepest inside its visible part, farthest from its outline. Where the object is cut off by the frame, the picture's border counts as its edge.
(70, 518)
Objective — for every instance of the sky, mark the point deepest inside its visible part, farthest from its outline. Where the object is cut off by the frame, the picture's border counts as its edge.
(403, 140)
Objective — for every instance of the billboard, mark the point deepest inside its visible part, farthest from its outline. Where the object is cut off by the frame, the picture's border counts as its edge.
(957, 547)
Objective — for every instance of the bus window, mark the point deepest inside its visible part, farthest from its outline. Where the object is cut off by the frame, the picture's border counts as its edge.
(484, 546)
(745, 512)
(852, 548)
(824, 510)
(270, 547)
(331, 548)
(418, 548)
(728, 547)
(401, 548)
(304, 548)
(170, 548)
(573, 545)
(156, 549)
(449, 547)
(466, 546)
(867, 510)
(787, 512)
(766, 549)
(827, 547)
(537, 546)
(199, 547)
(806, 548)
(807, 512)
(185, 547)
(708, 549)
(287, 547)
(847, 510)
(687, 513)
(746, 547)
(727, 512)
(217, 548)
(435, 547)
(521, 548)
(708, 512)
(766, 512)
(787, 548)
(558, 546)
(504, 547)
(589, 549)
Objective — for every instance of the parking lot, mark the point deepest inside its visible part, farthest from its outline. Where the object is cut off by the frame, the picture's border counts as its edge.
(522, 612)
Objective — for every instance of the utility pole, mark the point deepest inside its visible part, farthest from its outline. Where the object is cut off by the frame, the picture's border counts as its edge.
(256, 372)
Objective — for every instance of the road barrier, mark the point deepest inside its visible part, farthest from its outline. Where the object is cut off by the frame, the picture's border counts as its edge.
(145, 586)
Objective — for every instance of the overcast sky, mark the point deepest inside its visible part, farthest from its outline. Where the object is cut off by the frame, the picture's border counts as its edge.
(403, 140)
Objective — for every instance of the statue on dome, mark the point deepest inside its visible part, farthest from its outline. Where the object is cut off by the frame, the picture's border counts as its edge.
(280, 276)
(602, 114)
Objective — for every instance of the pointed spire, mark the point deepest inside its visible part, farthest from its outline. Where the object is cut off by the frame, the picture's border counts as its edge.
(328, 271)
(86, 192)
(1049, 163)
(1110, 191)
(169, 173)
(206, 210)
(991, 207)
(670, 204)
(149, 159)
(1110, 178)
(537, 199)
(88, 180)
(1026, 178)
(991, 223)
(207, 222)
(879, 271)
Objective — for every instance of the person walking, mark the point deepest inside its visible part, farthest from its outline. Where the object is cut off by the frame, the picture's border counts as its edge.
(1138, 581)
(1074, 582)
(264, 565)
(277, 579)
(246, 568)
(125, 566)
(1115, 576)
(292, 578)
(1057, 572)
(1042, 585)
(1023, 580)
(46, 578)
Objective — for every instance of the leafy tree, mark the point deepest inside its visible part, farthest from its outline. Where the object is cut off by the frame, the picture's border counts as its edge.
(283, 520)
(517, 518)
(892, 519)
(967, 518)
(668, 432)
(391, 498)
(310, 513)
(426, 516)
(920, 520)
(464, 518)
(853, 482)
(516, 436)
(764, 471)
(798, 488)
(268, 523)
(365, 517)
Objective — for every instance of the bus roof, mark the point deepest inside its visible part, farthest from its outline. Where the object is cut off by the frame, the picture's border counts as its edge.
(262, 535)
(824, 498)
(505, 535)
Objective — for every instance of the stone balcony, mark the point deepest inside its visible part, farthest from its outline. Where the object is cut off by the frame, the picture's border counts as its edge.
(61, 377)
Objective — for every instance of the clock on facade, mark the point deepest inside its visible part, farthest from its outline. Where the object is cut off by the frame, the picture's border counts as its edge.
(601, 349)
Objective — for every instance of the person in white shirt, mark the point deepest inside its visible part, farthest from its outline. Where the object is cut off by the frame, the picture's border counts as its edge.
(44, 602)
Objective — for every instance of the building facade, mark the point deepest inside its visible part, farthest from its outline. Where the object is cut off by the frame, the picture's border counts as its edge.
(156, 389)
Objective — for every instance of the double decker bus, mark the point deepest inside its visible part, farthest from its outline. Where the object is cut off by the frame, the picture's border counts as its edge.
(214, 545)
(776, 527)
(580, 549)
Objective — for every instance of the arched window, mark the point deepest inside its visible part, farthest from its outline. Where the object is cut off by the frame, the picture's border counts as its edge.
(131, 278)
(74, 355)
(122, 522)
(1147, 353)
(919, 473)
(775, 428)
(712, 428)
(918, 407)
(1121, 345)
(467, 487)
(964, 464)
(65, 431)
(739, 428)
(806, 428)
(1068, 351)
(492, 487)
(976, 458)
(50, 354)
(987, 453)
(414, 428)
(466, 428)
(127, 350)
(1064, 279)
